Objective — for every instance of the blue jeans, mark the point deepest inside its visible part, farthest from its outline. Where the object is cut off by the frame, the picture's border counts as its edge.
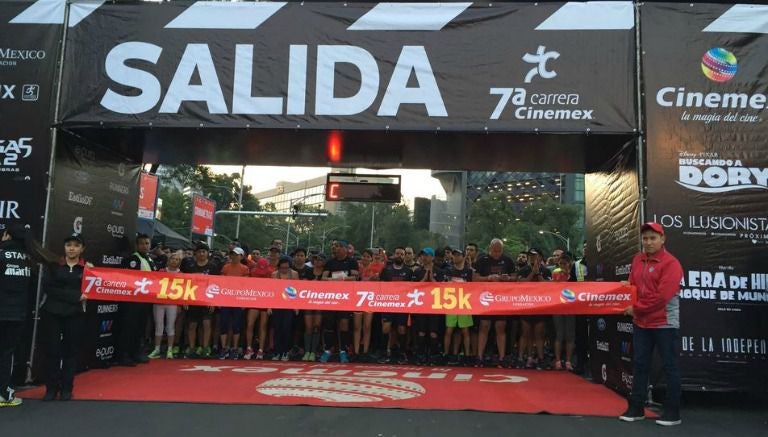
(667, 341)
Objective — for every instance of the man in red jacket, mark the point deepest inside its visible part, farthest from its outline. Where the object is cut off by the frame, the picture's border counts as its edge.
(656, 274)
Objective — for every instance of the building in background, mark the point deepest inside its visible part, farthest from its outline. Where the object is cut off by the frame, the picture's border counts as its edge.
(448, 217)
(308, 193)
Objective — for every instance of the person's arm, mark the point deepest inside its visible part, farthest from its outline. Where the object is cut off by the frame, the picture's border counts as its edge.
(669, 286)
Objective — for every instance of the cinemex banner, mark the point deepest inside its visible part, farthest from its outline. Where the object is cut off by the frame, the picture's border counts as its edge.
(426, 66)
(613, 227)
(404, 297)
(706, 96)
(28, 57)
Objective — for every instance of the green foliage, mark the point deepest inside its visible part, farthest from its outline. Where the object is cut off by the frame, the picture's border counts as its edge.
(492, 216)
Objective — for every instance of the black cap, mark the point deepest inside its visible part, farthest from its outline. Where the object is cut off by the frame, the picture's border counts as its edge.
(534, 251)
(75, 237)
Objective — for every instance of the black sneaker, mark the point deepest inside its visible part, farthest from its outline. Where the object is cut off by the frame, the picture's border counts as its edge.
(669, 418)
(633, 414)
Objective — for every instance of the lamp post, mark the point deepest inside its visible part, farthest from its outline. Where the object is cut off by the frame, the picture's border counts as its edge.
(564, 239)
(325, 231)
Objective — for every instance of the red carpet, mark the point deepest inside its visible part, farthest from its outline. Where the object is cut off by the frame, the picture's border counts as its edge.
(353, 385)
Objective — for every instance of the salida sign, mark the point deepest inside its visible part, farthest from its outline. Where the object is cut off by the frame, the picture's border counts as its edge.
(173, 66)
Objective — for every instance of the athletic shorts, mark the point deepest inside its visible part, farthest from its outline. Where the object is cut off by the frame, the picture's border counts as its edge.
(397, 319)
(493, 318)
(230, 318)
(427, 322)
(533, 320)
(198, 313)
(454, 320)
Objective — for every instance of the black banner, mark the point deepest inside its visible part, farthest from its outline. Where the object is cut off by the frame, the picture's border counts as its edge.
(706, 93)
(95, 194)
(448, 66)
(28, 57)
(612, 227)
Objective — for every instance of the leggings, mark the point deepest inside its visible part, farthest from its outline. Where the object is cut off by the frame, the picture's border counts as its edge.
(167, 312)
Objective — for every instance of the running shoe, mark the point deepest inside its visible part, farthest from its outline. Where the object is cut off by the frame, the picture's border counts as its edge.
(558, 365)
(248, 354)
(260, 355)
(633, 414)
(12, 402)
(235, 354)
(669, 418)
(568, 366)
(176, 350)
(224, 353)
(190, 353)
(530, 363)
(343, 357)
(305, 357)
(154, 354)
(207, 352)
(284, 357)
(312, 357)
(325, 356)
(169, 354)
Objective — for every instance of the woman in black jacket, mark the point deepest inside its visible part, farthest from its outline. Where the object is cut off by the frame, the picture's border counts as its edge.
(63, 320)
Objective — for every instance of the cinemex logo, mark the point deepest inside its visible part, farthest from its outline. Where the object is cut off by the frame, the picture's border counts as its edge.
(713, 174)
(212, 291)
(13, 150)
(117, 231)
(11, 57)
(719, 65)
(486, 298)
(81, 199)
(289, 293)
(567, 296)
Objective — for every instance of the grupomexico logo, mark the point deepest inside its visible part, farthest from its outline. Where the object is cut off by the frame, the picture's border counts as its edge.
(719, 65)
(212, 291)
(567, 296)
(486, 298)
(289, 293)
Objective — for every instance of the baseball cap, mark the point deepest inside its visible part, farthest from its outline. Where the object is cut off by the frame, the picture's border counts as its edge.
(458, 252)
(534, 251)
(75, 237)
(428, 251)
(238, 251)
(652, 226)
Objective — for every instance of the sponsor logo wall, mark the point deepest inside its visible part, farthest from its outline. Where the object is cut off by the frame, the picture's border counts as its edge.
(707, 169)
(613, 223)
(92, 187)
(28, 55)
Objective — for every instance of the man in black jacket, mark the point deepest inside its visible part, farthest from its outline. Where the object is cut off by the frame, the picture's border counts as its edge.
(15, 284)
(133, 315)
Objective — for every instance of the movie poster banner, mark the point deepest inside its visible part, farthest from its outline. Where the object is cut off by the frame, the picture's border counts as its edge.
(565, 67)
(148, 188)
(398, 297)
(707, 163)
(28, 58)
(203, 210)
(613, 234)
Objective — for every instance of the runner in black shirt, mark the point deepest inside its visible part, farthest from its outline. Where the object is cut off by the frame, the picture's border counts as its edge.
(313, 319)
(427, 323)
(340, 268)
(494, 267)
(196, 313)
(396, 272)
